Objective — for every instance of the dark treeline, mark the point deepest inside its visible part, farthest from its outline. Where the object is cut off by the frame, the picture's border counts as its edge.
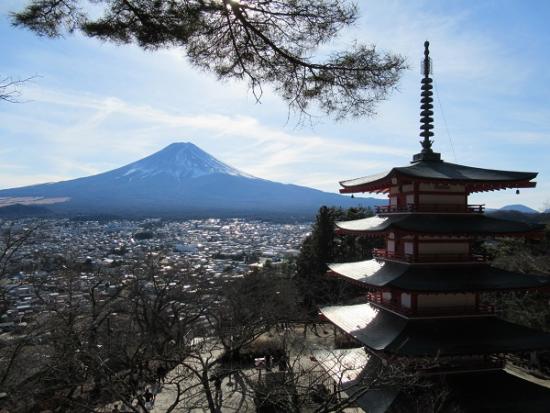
(323, 246)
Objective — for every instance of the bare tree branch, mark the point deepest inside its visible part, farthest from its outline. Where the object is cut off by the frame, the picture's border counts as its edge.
(261, 42)
(10, 88)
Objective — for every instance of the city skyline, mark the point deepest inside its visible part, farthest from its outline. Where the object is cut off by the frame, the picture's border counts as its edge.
(93, 106)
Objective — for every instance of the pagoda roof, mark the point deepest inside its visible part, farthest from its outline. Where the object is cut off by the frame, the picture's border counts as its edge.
(347, 366)
(449, 224)
(497, 391)
(473, 392)
(382, 330)
(436, 278)
(478, 179)
(352, 369)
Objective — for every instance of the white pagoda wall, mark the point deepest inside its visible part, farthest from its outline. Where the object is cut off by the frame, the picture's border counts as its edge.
(441, 187)
(446, 300)
(443, 248)
(440, 199)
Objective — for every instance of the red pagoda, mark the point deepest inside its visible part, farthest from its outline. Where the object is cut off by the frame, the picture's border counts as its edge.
(423, 291)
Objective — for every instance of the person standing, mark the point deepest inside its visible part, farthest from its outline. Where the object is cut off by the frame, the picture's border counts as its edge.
(149, 399)
(155, 389)
(218, 387)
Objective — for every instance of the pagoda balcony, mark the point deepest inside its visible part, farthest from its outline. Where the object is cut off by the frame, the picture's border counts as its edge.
(377, 299)
(427, 258)
(443, 208)
(458, 364)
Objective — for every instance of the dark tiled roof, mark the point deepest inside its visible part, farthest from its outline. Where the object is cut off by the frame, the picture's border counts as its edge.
(497, 391)
(445, 171)
(473, 224)
(490, 391)
(384, 331)
(351, 369)
(437, 278)
(473, 392)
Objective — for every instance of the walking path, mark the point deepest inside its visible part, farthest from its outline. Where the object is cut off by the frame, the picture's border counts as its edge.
(233, 392)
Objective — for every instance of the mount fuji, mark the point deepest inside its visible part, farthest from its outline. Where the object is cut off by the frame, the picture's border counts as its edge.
(180, 180)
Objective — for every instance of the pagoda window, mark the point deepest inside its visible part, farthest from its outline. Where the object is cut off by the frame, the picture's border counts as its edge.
(391, 246)
(386, 296)
(409, 248)
(406, 300)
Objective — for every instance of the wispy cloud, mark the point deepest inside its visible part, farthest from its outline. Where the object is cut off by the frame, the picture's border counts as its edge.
(274, 150)
(98, 106)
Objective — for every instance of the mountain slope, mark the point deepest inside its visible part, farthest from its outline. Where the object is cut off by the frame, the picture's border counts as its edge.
(520, 208)
(183, 180)
(21, 211)
(178, 160)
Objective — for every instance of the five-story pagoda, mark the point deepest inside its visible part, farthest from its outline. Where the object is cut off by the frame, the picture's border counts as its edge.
(423, 290)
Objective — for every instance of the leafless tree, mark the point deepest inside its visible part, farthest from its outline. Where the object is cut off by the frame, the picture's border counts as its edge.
(10, 88)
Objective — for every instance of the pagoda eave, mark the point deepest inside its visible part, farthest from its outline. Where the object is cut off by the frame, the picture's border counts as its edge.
(384, 189)
(486, 235)
(381, 183)
(378, 274)
(382, 330)
(489, 390)
(470, 187)
(350, 369)
(496, 186)
(472, 225)
(463, 290)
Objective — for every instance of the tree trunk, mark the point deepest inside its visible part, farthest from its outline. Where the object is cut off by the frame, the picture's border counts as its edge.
(206, 385)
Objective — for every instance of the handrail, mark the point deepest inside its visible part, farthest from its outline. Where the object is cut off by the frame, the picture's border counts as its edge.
(434, 257)
(470, 208)
(377, 298)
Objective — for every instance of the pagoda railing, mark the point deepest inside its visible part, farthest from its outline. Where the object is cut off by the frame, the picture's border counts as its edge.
(481, 309)
(427, 258)
(477, 209)
(457, 365)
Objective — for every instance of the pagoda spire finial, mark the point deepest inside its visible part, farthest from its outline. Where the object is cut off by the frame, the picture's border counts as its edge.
(426, 120)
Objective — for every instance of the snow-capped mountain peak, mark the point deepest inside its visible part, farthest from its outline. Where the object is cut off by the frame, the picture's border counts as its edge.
(181, 180)
(182, 160)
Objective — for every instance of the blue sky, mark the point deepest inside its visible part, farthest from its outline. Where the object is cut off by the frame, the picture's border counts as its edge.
(95, 106)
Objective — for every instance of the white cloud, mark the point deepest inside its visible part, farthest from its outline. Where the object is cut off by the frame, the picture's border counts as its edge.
(271, 153)
(99, 106)
(8, 180)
